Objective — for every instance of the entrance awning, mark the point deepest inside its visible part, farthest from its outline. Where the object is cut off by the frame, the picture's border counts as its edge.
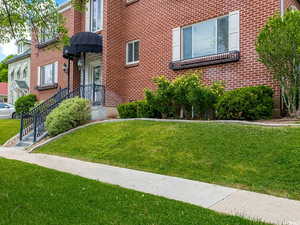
(83, 42)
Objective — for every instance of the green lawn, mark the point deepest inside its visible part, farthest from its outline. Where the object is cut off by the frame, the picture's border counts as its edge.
(32, 195)
(8, 129)
(254, 158)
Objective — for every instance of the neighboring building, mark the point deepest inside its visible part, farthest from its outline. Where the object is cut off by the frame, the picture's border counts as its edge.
(142, 39)
(3, 92)
(19, 72)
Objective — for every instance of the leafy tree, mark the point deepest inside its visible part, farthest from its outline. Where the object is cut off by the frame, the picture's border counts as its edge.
(18, 18)
(4, 69)
(278, 46)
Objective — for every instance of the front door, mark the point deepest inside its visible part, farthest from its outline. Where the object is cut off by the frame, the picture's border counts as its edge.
(96, 73)
(97, 81)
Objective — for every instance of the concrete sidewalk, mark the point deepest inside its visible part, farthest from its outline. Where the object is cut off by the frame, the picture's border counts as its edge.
(222, 199)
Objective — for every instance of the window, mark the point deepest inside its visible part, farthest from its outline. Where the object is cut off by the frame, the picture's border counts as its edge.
(4, 106)
(133, 52)
(47, 34)
(47, 75)
(205, 38)
(25, 72)
(20, 47)
(96, 15)
(18, 75)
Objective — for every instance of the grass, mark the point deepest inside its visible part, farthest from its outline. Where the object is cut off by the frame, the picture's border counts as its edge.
(254, 158)
(8, 129)
(31, 194)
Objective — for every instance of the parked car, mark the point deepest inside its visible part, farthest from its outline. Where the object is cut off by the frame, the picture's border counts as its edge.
(7, 111)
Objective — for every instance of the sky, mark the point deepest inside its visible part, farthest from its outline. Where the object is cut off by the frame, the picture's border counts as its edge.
(10, 48)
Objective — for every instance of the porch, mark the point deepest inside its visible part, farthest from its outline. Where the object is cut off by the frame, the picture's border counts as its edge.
(85, 51)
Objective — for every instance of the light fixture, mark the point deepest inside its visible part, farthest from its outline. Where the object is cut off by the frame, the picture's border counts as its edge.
(65, 68)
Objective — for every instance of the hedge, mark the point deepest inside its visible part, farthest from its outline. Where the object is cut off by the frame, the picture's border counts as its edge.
(248, 103)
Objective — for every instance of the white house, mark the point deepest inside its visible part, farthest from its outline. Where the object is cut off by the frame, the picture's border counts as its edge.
(19, 72)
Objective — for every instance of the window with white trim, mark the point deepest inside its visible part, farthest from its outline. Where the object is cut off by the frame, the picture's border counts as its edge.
(133, 52)
(205, 38)
(96, 15)
(20, 47)
(25, 73)
(47, 75)
(18, 74)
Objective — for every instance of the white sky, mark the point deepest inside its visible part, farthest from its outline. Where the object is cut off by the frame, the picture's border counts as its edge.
(7, 49)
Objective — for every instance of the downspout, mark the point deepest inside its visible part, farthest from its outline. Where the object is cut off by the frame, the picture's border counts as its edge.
(281, 91)
(282, 7)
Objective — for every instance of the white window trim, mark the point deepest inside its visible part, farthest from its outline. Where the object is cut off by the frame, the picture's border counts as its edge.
(127, 46)
(90, 12)
(192, 25)
(55, 78)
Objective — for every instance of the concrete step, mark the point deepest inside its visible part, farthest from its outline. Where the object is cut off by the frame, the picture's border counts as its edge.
(24, 144)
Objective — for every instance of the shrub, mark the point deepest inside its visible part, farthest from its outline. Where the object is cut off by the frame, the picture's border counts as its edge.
(162, 100)
(183, 86)
(248, 103)
(138, 109)
(184, 97)
(69, 114)
(25, 103)
(145, 110)
(203, 101)
(128, 110)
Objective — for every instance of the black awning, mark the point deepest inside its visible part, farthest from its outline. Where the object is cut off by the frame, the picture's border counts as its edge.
(83, 42)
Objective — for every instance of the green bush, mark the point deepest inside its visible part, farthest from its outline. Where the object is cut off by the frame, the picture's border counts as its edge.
(69, 114)
(138, 109)
(248, 103)
(184, 97)
(203, 101)
(162, 100)
(145, 110)
(127, 110)
(25, 103)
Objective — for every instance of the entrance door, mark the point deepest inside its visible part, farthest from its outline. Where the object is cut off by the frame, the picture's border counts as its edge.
(97, 81)
(96, 72)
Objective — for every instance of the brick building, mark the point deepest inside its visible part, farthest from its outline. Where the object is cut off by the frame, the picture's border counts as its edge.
(143, 39)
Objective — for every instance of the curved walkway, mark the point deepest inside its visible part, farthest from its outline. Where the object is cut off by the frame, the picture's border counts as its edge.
(222, 199)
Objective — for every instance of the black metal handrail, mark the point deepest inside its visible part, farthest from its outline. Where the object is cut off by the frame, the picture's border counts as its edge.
(34, 121)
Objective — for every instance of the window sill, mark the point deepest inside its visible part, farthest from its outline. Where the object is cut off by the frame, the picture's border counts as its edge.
(47, 43)
(48, 87)
(132, 65)
(97, 31)
(127, 3)
(222, 58)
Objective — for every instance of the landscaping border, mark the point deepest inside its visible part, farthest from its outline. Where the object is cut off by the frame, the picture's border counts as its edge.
(12, 141)
(31, 149)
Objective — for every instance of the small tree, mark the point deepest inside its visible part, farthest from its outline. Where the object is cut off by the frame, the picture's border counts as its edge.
(25, 103)
(278, 46)
(182, 86)
(4, 69)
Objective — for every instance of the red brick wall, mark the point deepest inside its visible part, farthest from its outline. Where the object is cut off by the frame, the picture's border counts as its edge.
(152, 22)
(113, 54)
(47, 55)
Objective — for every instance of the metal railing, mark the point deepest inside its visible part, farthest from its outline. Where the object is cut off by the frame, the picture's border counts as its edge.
(34, 121)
